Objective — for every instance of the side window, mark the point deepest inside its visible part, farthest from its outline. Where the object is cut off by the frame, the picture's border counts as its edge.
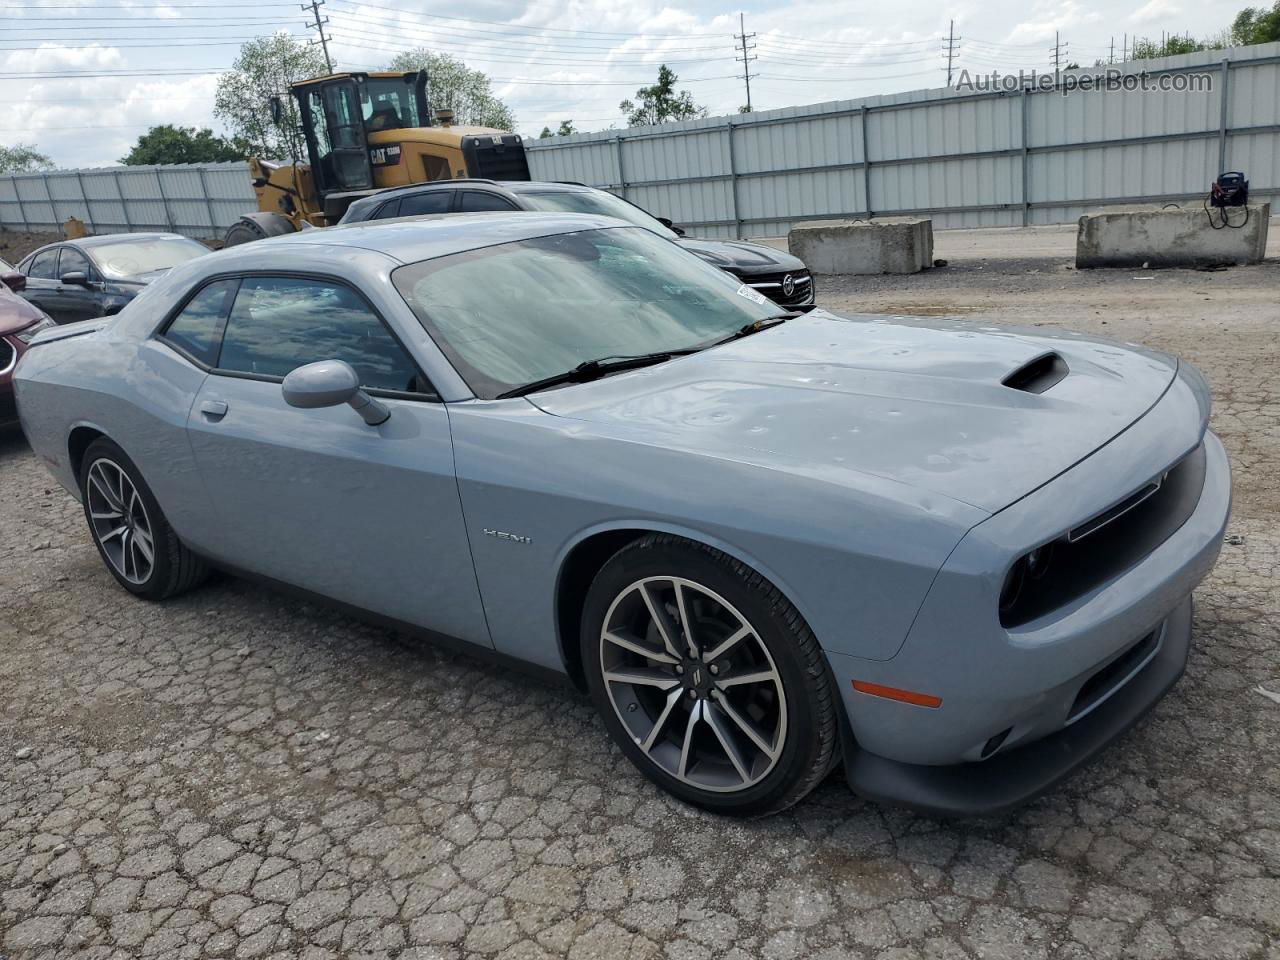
(437, 168)
(44, 265)
(73, 260)
(280, 323)
(473, 201)
(198, 328)
(429, 201)
(387, 210)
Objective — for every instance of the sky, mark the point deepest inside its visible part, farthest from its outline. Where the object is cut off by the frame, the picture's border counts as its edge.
(82, 81)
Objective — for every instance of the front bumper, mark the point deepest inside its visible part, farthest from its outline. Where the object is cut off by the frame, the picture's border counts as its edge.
(1013, 778)
(1017, 691)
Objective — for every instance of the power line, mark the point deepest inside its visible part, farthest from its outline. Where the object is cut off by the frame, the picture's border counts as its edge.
(747, 56)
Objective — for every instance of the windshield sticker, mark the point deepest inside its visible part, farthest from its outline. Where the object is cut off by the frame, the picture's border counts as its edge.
(751, 294)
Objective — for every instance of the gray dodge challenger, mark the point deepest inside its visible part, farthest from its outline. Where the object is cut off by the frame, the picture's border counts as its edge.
(956, 559)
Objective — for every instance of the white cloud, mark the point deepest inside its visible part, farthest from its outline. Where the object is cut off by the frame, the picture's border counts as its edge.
(1155, 10)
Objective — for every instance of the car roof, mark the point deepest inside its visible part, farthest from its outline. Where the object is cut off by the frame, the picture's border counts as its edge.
(411, 239)
(105, 238)
(88, 243)
(515, 186)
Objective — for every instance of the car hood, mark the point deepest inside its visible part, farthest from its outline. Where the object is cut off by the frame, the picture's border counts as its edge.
(742, 258)
(16, 313)
(919, 401)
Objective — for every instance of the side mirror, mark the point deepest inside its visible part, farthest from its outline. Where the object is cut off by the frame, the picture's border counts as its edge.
(14, 281)
(277, 109)
(329, 383)
(666, 222)
(76, 277)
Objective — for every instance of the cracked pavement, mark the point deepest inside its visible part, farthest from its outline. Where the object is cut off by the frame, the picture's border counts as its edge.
(236, 773)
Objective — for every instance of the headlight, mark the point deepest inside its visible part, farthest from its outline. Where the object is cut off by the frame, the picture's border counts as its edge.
(29, 334)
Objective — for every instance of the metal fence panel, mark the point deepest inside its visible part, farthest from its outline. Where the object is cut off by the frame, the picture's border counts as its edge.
(199, 200)
(996, 157)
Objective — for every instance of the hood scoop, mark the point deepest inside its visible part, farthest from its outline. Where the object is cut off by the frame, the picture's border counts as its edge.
(1038, 375)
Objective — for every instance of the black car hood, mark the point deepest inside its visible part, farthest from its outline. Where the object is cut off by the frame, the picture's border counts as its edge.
(744, 259)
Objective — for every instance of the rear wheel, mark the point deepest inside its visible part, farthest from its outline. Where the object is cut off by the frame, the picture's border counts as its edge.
(130, 531)
(708, 678)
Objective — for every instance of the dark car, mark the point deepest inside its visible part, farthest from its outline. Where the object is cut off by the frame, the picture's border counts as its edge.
(96, 276)
(19, 322)
(779, 276)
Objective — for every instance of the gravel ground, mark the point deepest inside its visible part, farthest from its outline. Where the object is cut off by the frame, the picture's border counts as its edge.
(237, 774)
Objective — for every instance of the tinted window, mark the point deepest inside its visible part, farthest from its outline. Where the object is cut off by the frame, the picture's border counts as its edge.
(73, 260)
(43, 265)
(387, 210)
(280, 323)
(429, 201)
(594, 201)
(473, 201)
(198, 328)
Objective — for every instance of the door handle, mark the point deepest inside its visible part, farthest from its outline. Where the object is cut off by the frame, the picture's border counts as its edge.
(213, 410)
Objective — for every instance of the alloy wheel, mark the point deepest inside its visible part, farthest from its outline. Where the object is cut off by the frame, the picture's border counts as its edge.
(119, 521)
(693, 684)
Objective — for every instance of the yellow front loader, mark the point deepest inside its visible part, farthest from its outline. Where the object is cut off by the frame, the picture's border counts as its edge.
(367, 132)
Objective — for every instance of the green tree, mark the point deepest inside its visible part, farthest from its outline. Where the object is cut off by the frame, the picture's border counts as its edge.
(1172, 46)
(660, 103)
(265, 68)
(169, 144)
(566, 128)
(1256, 25)
(452, 85)
(22, 158)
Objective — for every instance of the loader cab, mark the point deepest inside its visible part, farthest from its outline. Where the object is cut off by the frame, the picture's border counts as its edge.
(342, 117)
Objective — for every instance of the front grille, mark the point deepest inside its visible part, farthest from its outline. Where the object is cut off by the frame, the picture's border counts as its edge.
(1105, 545)
(1114, 675)
(773, 285)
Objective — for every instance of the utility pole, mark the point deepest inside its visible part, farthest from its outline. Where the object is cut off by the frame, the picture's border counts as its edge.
(1059, 51)
(1111, 57)
(747, 56)
(314, 6)
(952, 49)
(1124, 52)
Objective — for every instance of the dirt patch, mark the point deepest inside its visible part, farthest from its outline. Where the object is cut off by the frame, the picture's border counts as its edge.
(14, 246)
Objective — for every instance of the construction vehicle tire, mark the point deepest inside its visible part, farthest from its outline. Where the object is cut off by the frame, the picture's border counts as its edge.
(257, 226)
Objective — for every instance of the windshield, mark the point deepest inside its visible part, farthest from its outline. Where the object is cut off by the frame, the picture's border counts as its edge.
(389, 103)
(132, 258)
(515, 313)
(598, 202)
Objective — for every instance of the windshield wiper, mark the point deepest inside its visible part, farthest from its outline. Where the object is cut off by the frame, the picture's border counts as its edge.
(755, 326)
(594, 369)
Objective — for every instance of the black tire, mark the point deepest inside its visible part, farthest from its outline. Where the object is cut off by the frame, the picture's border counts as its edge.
(247, 229)
(173, 568)
(807, 748)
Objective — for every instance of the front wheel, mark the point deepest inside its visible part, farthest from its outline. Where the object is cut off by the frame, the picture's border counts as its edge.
(130, 531)
(708, 678)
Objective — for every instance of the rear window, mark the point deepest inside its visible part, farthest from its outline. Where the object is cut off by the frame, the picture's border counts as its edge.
(44, 265)
(197, 330)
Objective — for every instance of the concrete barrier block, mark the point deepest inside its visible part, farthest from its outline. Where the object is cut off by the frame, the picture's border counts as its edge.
(848, 246)
(1172, 238)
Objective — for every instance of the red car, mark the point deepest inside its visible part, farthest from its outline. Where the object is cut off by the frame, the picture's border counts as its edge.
(19, 322)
